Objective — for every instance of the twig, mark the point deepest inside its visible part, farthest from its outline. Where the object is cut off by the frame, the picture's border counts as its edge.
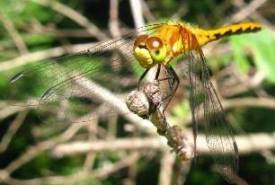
(74, 148)
(250, 143)
(181, 170)
(248, 10)
(166, 168)
(75, 16)
(42, 146)
(136, 8)
(75, 177)
(15, 125)
(249, 102)
(17, 39)
(113, 22)
(127, 161)
(106, 96)
(269, 156)
(238, 102)
(180, 13)
(254, 13)
(81, 33)
(8, 110)
(41, 55)
(92, 129)
(147, 12)
(130, 144)
(235, 179)
(132, 171)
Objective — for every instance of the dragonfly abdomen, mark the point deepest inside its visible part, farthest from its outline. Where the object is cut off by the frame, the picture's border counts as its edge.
(205, 36)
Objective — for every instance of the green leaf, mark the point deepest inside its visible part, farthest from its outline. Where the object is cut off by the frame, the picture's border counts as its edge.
(261, 47)
(182, 109)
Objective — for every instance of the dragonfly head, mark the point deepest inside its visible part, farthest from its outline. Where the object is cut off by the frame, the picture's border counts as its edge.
(149, 50)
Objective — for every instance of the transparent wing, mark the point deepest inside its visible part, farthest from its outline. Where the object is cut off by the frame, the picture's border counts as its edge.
(57, 75)
(58, 79)
(219, 134)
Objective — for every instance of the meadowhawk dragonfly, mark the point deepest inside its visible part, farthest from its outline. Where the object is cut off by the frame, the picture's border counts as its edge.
(153, 45)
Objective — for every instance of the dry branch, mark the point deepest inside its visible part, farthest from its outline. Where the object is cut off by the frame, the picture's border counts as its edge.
(75, 16)
(250, 143)
(42, 55)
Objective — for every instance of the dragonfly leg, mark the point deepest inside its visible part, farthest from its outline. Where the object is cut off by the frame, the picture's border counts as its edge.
(158, 72)
(176, 78)
(142, 77)
(145, 72)
(174, 86)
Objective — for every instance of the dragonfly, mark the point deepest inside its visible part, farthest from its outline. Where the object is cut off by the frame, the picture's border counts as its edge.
(174, 39)
(153, 45)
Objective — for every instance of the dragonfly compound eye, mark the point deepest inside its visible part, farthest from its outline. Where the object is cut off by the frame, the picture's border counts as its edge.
(140, 41)
(157, 49)
(142, 53)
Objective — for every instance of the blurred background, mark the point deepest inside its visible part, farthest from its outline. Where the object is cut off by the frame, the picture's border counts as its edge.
(85, 140)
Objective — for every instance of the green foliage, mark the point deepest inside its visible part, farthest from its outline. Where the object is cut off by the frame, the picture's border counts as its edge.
(182, 111)
(39, 40)
(255, 49)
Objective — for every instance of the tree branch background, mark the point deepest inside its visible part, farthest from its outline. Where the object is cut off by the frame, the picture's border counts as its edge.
(52, 145)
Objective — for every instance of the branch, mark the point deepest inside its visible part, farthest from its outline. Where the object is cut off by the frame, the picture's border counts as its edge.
(12, 130)
(42, 55)
(7, 109)
(104, 95)
(40, 147)
(248, 10)
(113, 19)
(249, 102)
(166, 168)
(75, 177)
(17, 39)
(75, 16)
(136, 8)
(246, 143)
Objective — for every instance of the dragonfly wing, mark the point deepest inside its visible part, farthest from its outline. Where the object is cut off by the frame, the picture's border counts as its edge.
(54, 88)
(96, 69)
(57, 75)
(219, 134)
(55, 78)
